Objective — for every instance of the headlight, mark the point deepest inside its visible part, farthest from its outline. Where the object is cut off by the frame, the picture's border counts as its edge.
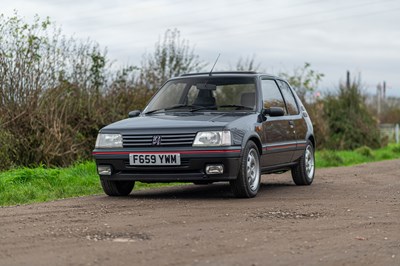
(213, 138)
(109, 141)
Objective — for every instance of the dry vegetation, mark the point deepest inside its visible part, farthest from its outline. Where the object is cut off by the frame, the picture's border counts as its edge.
(56, 92)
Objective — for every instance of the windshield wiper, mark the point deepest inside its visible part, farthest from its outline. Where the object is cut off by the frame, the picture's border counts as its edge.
(182, 106)
(214, 107)
(154, 111)
(238, 107)
(177, 106)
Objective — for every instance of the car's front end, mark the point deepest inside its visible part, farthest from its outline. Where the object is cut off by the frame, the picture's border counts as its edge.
(167, 155)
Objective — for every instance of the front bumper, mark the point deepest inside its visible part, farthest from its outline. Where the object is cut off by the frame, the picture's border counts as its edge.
(192, 168)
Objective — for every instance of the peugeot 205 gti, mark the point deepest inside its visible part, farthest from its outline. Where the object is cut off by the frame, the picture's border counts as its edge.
(210, 127)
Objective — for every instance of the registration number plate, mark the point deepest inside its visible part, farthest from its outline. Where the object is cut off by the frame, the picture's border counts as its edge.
(155, 159)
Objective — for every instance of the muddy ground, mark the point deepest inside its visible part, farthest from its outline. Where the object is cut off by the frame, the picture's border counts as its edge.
(349, 216)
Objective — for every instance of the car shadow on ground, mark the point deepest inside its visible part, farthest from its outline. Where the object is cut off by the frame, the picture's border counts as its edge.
(213, 191)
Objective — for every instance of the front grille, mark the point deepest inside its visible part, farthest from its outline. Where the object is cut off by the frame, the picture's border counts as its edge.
(133, 140)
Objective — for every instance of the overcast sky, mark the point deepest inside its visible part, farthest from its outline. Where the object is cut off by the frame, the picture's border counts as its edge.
(362, 36)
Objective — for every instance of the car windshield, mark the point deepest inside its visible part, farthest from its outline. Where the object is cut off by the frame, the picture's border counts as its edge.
(205, 93)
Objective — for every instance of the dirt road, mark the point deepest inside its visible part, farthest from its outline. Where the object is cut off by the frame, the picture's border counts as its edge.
(349, 216)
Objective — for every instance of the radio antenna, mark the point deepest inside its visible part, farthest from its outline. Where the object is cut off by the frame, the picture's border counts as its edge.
(214, 64)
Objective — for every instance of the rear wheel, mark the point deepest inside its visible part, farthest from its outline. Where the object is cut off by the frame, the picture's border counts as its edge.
(303, 172)
(247, 184)
(117, 188)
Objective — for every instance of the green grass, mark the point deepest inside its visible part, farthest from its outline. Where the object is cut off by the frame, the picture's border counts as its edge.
(329, 158)
(28, 185)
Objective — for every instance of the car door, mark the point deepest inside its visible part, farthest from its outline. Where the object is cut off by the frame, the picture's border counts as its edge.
(297, 121)
(278, 134)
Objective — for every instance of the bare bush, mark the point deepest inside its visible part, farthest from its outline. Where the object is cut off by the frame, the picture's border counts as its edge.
(56, 92)
(50, 90)
(172, 57)
(247, 64)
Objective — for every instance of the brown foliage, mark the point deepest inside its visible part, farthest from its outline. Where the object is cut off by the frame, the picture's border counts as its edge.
(56, 93)
(320, 125)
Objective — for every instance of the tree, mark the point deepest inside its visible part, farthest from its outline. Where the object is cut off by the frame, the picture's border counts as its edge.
(247, 64)
(172, 57)
(304, 80)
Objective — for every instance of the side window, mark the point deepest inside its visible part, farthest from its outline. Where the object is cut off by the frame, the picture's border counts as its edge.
(272, 96)
(289, 98)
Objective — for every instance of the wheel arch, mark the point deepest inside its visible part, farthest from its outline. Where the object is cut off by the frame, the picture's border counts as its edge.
(256, 141)
(312, 139)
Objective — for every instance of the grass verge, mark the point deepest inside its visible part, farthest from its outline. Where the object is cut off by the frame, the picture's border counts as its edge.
(329, 158)
(27, 185)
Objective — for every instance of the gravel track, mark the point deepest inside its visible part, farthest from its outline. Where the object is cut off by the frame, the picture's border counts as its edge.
(349, 216)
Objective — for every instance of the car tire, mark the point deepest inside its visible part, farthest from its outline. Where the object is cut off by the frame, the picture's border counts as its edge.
(117, 188)
(247, 183)
(303, 172)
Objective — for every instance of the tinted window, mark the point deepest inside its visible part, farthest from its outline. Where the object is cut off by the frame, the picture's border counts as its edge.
(289, 98)
(228, 94)
(171, 95)
(213, 93)
(272, 96)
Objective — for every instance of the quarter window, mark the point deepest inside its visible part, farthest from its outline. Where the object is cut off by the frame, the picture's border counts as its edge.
(289, 98)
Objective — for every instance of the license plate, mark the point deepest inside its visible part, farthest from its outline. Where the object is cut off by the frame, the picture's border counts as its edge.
(155, 159)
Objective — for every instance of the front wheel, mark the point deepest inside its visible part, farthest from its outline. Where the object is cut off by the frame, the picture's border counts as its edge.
(247, 184)
(117, 188)
(303, 172)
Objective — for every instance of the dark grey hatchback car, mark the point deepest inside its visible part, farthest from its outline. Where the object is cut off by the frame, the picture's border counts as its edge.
(205, 128)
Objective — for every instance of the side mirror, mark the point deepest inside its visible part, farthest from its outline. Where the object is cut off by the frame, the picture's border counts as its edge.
(273, 111)
(134, 113)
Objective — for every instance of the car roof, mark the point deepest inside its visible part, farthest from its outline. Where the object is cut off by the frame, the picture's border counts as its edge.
(228, 73)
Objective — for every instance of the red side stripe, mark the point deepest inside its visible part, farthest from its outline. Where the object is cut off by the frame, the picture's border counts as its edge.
(162, 152)
(279, 147)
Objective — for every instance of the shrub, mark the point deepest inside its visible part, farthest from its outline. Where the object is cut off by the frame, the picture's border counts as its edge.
(320, 124)
(350, 123)
(385, 156)
(332, 157)
(396, 149)
(6, 149)
(51, 94)
(365, 151)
